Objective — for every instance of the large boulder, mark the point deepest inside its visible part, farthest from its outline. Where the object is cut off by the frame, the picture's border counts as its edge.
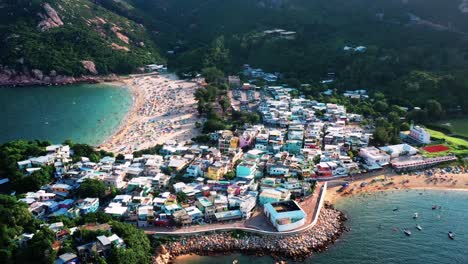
(90, 67)
(37, 74)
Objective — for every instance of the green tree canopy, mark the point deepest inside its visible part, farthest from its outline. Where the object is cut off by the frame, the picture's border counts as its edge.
(213, 75)
(434, 109)
(138, 248)
(92, 188)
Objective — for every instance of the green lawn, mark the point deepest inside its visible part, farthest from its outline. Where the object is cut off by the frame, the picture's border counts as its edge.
(457, 145)
(457, 126)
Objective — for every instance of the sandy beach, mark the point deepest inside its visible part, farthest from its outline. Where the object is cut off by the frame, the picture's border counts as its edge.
(388, 180)
(163, 109)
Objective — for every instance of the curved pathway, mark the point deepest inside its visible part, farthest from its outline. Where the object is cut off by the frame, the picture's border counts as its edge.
(241, 225)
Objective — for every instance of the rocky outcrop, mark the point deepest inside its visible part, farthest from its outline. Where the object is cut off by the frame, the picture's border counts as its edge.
(119, 35)
(90, 67)
(118, 47)
(298, 247)
(50, 18)
(11, 77)
(162, 256)
(37, 74)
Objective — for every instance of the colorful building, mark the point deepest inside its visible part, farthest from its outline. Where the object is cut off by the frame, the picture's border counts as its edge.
(246, 170)
(420, 135)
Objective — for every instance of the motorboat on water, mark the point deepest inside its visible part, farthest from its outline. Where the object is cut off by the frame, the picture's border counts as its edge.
(407, 232)
(395, 209)
(451, 235)
(434, 207)
(418, 227)
(416, 215)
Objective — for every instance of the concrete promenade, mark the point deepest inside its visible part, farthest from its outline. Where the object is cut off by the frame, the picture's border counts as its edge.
(313, 204)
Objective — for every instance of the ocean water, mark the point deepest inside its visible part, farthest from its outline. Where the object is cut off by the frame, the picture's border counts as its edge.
(376, 234)
(83, 113)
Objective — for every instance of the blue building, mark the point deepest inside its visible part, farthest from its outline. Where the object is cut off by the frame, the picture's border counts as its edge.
(88, 205)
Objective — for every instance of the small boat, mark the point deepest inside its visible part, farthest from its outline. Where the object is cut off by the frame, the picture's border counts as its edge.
(418, 227)
(451, 235)
(434, 207)
(407, 232)
(395, 209)
(415, 215)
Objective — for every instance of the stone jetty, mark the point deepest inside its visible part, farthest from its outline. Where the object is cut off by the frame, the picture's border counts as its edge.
(297, 247)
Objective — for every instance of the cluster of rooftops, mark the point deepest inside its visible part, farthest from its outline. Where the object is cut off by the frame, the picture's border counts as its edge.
(257, 165)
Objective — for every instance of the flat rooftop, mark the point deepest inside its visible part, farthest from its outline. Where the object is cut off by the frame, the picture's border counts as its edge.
(285, 206)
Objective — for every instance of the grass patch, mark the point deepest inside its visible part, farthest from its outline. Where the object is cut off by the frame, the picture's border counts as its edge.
(450, 140)
(457, 146)
(458, 126)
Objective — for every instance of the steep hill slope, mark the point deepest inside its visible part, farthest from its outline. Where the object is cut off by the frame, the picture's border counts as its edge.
(69, 37)
(416, 49)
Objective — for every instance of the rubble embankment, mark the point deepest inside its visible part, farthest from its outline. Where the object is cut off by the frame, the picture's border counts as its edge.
(297, 247)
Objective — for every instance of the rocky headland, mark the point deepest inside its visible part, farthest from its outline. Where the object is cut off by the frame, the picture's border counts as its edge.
(25, 77)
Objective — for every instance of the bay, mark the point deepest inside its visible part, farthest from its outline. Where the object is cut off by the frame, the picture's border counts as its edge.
(376, 234)
(85, 113)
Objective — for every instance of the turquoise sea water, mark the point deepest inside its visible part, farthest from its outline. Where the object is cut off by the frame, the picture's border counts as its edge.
(373, 238)
(84, 113)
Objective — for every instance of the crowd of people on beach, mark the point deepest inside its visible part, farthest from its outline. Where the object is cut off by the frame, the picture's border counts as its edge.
(298, 246)
(448, 177)
(164, 109)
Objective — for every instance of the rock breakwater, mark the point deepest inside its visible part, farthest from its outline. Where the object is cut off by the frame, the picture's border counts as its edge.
(297, 247)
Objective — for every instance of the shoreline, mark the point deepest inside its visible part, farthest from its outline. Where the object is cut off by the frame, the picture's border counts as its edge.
(127, 117)
(59, 80)
(224, 243)
(390, 181)
(296, 247)
(163, 109)
(120, 84)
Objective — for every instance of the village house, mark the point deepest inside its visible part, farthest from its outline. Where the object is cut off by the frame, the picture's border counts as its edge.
(195, 169)
(246, 170)
(273, 195)
(217, 170)
(67, 258)
(61, 189)
(115, 179)
(160, 181)
(227, 141)
(88, 205)
(206, 207)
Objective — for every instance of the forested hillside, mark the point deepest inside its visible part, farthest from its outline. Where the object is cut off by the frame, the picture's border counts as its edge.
(71, 38)
(416, 49)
